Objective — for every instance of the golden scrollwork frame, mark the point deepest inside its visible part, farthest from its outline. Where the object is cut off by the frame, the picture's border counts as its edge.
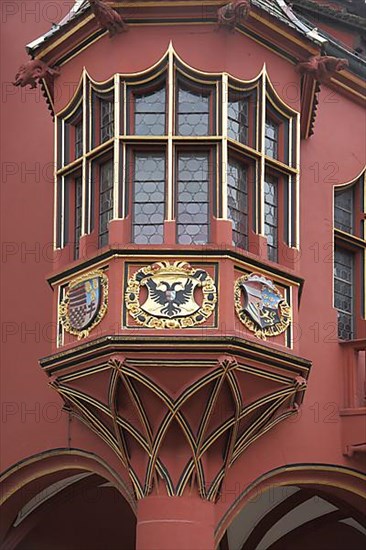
(147, 320)
(63, 309)
(262, 332)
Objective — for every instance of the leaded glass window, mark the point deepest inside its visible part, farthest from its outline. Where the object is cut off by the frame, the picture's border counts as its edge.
(343, 210)
(106, 120)
(237, 202)
(271, 139)
(148, 198)
(105, 200)
(193, 198)
(193, 113)
(271, 216)
(344, 291)
(78, 140)
(238, 119)
(150, 113)
(78, 215)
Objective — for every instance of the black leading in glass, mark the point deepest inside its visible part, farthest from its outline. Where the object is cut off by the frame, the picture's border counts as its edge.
(105, 200)
(238, 118)
(150, 113)
(271, 216)
(78, 139)
(193, 112)
(344, 292)
(271, 142)
(343, 210)
(237, 202)
(106, 120)
(193, 198)
(78, 215)
(148, 198)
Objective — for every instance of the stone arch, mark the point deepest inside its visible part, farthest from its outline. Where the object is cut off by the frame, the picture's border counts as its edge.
(38, 480)
(341, 488)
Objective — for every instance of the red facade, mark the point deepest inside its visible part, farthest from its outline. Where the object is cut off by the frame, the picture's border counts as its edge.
(184, 260)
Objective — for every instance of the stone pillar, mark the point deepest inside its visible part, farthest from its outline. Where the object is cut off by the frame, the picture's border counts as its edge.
(175, 523)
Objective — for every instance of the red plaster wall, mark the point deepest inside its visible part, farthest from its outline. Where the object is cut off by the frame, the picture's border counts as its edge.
(27, 225)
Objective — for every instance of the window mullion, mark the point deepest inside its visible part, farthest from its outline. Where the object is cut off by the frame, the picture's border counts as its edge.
(56, 221)
(170, 160)
(116, 159)
(84, 115)
(296, 179)
(224, 144)
(262, 139)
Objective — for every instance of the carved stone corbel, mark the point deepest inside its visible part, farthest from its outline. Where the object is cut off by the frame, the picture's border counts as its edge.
(107, 17)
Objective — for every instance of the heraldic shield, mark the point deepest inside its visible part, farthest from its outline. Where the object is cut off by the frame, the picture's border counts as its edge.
(260, 306)
(170, 300)
(84, 304)
(84, 301)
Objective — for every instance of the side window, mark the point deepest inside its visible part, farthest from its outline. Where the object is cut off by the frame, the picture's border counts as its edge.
(349, 258)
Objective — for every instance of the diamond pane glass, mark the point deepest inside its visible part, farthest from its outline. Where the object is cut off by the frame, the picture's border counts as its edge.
(271, 216)
(344, 292)
(106, 120)
(193, 113)
(150, 113)
(237, 187)
(149, 198)
(271, 141)
(192, 198)
(343, 210)
(78, 215)
(78, 140)
(238, 111)
(105, 200)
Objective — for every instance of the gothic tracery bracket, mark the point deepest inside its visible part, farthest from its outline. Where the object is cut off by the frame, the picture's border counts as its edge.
(107, 17)
(233, 13)
(213, 419)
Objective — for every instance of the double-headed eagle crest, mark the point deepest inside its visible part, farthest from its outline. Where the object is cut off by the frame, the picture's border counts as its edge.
(172, 294)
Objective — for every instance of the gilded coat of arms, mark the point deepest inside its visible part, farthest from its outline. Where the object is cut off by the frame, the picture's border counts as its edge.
(85, 303)
(260, 306)
(176, 295)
